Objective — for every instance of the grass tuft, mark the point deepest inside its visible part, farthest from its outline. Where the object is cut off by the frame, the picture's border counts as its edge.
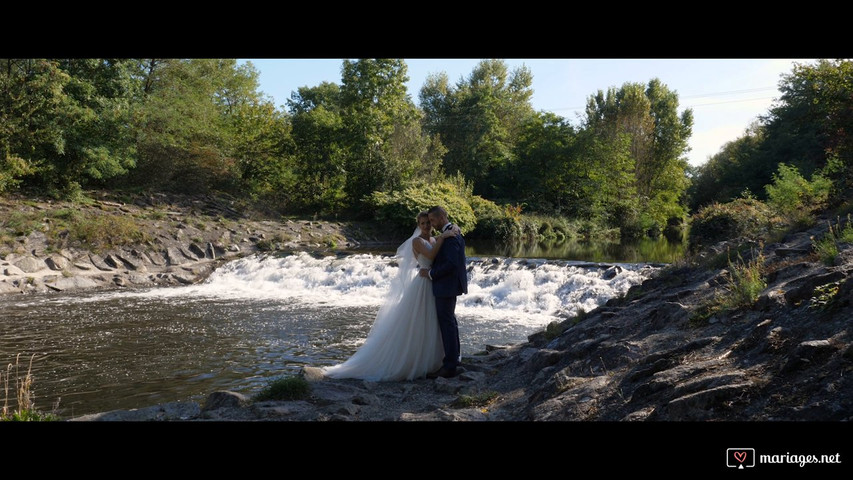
(287, 388)
(25, 410)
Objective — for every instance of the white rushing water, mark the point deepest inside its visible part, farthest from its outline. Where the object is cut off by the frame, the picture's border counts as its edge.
(532, 292)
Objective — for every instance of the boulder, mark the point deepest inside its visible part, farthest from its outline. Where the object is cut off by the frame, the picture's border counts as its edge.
(225, 399)
(99, 263)
(56, 262)
(29, 264)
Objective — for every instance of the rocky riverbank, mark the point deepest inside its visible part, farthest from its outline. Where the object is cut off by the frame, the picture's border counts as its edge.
(167, 240)
(659, 353)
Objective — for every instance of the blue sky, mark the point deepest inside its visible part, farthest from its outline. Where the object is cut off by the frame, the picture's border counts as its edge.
(726, 94)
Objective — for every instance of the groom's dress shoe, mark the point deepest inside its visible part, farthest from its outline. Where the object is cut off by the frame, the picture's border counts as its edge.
(442, 372)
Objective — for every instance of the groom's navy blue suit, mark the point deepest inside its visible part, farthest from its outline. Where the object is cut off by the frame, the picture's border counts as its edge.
(449, 280)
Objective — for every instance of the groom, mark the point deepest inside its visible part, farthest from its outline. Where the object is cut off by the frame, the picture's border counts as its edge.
(449, 280)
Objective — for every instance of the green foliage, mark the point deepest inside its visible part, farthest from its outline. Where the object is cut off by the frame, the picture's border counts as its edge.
(286, 388)
(399, 210)
(739, 218)
(790, 192)
(808, 128)
(827, 247)
(479, 120)
(744, 284)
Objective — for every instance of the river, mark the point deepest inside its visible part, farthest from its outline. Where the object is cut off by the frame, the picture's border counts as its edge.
(265, 316)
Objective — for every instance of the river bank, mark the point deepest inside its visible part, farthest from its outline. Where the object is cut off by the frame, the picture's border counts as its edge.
(158, 240)
(668, 350)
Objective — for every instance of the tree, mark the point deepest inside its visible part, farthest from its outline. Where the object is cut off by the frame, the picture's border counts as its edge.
(31, 104)
(318, 134)
(479, 120)
(543, 172)
(383, 144)
(658, 136)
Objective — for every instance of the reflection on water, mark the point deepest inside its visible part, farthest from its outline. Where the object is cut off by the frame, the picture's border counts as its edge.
(646, 250)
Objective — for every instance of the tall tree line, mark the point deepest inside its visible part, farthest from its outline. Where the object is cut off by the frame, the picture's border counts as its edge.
(198, 125)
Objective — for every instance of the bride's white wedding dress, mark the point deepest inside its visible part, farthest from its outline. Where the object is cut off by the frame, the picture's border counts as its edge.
(404, 342)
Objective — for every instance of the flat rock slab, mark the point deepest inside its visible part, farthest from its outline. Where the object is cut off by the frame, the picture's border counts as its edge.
(162, 412)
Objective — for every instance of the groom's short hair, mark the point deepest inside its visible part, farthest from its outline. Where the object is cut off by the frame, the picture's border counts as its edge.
(436, 210)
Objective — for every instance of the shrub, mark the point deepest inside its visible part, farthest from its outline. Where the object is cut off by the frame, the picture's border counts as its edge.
(790, 192)
(399, 209)
(743, 217)
(827, 246)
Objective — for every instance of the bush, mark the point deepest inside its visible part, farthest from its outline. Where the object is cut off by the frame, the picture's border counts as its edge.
(743, 217)
(399, 210)
(790, 192)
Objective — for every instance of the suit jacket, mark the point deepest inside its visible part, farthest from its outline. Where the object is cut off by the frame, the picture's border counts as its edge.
(448, 272)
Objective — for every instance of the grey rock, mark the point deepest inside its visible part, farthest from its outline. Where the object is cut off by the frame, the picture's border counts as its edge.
(56, 263)
(447, 385)
(225, 399)
(174, 256)
(99, 263)
(132, 262)
(75, 283)
(611, 272)
(29, 264)
(188, 254)
(196, 250)
(472, 376)
(12, 271)
(210, 252)
(82, 266)
(157, 259)
(113, 262)
(806, 286)
(167, 411)
(790, 252)
(695, 406)
(365, 399)
(347, 409)
(119, 281)
(544, 358)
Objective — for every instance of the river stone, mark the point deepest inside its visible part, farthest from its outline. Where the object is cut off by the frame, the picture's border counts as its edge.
(99, 263)
(174, 256)
(157, 259)
(196, 250)
(113, 262)
(225, 399)
(133, 263)
(12, 271)
(56, 263)
(74, 283)
(29, 264)
(188, 254)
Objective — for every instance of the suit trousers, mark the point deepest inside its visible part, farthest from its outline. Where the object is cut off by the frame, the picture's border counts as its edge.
(446, 309)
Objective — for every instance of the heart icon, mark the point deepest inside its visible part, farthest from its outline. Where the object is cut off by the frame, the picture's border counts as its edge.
(740, 456)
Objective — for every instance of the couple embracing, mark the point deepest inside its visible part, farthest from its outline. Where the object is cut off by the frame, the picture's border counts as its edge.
(415, 333)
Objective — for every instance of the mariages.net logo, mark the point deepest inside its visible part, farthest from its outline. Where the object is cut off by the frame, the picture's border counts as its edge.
(742, 458)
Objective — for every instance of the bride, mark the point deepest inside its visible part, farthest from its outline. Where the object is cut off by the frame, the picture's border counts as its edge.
(404, 342)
